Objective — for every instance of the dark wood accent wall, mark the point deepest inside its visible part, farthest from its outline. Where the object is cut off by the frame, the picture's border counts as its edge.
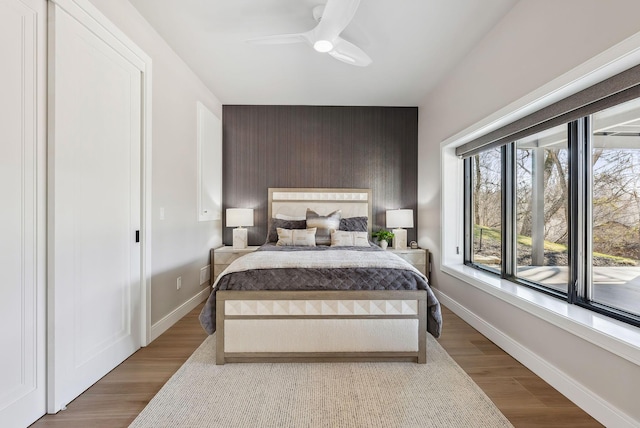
(318, 146)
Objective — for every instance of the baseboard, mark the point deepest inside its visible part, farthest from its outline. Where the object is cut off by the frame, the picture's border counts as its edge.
(584, 398)
(176, 315)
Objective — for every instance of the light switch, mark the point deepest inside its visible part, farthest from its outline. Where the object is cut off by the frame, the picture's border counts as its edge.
(161, 213)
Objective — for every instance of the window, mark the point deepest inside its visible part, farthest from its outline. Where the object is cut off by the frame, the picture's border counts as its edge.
(558, 209)
(486, 194)
(615, 206)
(542, 211)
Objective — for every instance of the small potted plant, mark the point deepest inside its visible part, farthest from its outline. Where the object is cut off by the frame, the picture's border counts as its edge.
(384, 237)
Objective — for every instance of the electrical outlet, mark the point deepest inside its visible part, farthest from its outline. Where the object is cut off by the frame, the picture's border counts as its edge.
(179, 283)
(205, 274)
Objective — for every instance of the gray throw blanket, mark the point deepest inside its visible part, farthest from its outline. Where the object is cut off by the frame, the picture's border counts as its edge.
(341, 268)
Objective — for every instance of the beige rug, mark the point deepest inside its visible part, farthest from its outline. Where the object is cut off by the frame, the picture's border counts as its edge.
(436, 394)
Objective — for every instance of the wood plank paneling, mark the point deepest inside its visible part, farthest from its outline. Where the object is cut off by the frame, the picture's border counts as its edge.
(319, 146)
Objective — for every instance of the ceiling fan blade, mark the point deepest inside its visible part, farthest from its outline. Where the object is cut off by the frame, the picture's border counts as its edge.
(281, 39)
(325, 37)
(349, 53)
(335, 18)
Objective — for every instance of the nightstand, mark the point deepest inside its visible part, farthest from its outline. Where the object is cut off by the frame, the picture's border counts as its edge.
(418, 257)
(223, 256)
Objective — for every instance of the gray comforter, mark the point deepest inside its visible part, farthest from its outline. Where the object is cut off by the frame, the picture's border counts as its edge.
(361, 270)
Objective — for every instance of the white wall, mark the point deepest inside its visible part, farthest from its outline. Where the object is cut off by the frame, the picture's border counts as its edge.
(537, 41)
(180, 243)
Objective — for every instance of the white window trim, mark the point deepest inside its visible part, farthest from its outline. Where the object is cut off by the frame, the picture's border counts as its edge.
(615, 336)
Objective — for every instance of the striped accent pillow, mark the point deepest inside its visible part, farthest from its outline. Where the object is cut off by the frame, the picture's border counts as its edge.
(324, 225)
(340, 238)
(275, 223)
(300, 237)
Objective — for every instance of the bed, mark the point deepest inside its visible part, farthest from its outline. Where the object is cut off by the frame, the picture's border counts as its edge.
(350, 301)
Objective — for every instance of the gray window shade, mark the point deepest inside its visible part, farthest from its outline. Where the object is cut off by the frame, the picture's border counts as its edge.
(622, 87)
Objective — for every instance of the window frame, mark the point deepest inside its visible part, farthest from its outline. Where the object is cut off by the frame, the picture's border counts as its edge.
(580, 224)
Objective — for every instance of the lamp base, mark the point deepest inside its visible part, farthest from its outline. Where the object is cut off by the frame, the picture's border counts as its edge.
(399, 239)
(240, 238)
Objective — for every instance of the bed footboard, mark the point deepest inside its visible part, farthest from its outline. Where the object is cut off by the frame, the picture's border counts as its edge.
(319, 326)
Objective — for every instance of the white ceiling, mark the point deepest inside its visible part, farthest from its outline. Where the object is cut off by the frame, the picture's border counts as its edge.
(413, 44)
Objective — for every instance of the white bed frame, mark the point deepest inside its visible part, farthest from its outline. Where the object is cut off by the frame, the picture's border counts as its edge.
(318, 326)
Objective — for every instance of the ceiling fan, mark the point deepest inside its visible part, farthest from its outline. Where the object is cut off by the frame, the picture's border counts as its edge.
(332, 19)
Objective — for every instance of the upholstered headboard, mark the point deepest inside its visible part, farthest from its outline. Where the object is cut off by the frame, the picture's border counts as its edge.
(295, 201)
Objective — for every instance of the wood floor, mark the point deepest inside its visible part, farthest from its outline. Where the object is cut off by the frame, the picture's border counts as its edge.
(117, 398)
(524, 398)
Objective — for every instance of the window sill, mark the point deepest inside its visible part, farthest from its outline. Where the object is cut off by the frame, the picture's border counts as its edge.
(614, 336)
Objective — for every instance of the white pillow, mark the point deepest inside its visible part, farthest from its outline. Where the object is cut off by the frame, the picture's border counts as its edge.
(300, 237)
(341, 238)
(290, 217)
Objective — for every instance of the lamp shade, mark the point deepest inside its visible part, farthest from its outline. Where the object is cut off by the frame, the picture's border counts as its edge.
(238, 217)
(399, 218)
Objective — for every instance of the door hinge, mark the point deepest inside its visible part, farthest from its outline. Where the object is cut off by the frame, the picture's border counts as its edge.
(137, 236)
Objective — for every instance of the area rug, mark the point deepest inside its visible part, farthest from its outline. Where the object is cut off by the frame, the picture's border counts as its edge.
(437, 394)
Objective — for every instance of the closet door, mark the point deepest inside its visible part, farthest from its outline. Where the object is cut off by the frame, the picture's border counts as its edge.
(94, 206)
(22, 216)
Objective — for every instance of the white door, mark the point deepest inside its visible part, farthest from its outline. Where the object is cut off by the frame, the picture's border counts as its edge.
(22, 216)
(94, 207)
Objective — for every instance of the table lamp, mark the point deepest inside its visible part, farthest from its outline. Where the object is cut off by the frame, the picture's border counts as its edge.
(239, 217)
(397, 219)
